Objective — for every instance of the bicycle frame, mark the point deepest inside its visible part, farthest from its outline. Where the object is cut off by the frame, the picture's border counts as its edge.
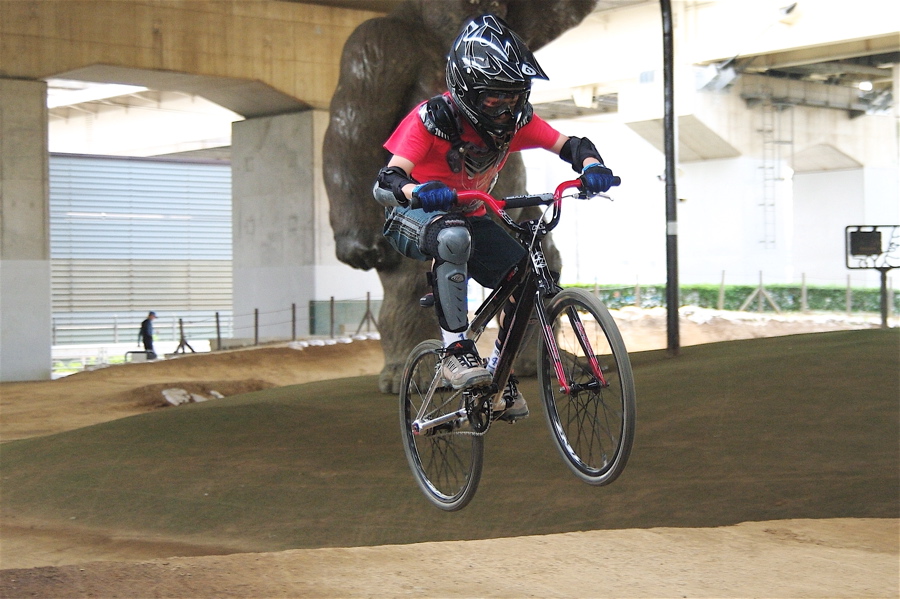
(534, 277)
(534, 282)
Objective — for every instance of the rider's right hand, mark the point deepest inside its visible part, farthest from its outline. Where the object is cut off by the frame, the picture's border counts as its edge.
(433, 196)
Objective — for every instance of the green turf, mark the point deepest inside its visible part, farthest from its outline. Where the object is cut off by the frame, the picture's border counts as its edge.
(789, 427)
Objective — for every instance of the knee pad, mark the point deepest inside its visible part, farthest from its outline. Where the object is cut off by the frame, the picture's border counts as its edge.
(453, 244)
(451, 250)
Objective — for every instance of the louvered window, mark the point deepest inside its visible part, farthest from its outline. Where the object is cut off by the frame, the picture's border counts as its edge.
(131, 235)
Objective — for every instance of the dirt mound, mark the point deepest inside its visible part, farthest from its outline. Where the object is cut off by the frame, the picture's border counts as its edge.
(153, 396)
(280, 365)
(45, 407)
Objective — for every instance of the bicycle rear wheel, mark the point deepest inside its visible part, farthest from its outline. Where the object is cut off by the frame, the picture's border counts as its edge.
(445, 462)
(593, 424)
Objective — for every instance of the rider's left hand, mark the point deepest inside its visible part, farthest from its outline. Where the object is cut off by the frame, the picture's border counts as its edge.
(597, 178)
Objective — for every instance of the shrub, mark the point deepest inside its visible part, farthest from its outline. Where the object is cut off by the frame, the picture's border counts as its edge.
(788, 298)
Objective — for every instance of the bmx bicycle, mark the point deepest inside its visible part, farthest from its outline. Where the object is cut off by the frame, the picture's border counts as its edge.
(583, 370)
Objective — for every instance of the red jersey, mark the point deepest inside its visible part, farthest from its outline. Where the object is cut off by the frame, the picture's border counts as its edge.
(428, 152)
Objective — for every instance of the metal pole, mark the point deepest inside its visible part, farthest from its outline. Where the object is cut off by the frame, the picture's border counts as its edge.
(721, 303)
(759, 296)
(218, 333)
(331, 316)
(890, 298)
(293, 322)
(849, 298)
(670, 135)
(255, 326)
(884, 297)
(804, 296)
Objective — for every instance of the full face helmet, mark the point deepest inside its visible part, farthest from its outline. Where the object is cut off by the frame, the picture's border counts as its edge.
(489, 73)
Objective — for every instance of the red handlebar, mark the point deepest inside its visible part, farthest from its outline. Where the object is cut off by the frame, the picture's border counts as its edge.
(497, 205)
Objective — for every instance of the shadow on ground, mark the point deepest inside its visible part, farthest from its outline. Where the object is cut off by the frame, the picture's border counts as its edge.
(791, 427)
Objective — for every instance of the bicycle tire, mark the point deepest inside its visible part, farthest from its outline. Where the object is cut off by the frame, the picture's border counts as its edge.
(593, 426)
(446, 464)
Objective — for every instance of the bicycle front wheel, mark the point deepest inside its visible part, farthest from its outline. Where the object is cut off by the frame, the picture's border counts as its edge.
(591, 421)
(445, 461)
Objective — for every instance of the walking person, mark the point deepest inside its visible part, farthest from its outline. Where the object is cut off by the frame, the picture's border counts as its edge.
(146, 335)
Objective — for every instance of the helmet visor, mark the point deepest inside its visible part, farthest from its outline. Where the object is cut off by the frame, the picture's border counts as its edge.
(494, 104)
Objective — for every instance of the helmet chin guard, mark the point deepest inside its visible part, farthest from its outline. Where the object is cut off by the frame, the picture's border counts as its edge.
(489, 73)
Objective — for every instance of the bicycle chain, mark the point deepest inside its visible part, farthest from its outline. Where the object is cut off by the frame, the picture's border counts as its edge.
(482, 433)
(473, 433)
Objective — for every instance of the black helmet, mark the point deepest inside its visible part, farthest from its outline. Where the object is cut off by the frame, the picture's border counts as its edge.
(489, 73)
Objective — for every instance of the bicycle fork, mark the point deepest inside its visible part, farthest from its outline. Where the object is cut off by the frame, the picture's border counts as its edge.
(553, 349)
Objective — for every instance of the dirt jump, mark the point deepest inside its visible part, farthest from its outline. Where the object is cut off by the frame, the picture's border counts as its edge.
(702, 515)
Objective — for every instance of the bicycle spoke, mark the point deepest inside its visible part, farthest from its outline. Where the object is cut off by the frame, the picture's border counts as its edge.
(446, 464)
(592, 419)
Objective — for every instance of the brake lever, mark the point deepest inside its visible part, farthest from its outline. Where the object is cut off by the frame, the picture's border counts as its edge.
(584, 196)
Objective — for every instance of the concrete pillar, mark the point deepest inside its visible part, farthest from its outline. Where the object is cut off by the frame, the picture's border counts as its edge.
(274, 222)
(283, 243)
(25, 306)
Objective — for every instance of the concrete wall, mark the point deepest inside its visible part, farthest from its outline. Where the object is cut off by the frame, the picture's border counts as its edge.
(827, 203)
(283, 248)
(720, 220)
(721, 225)
(25, 315)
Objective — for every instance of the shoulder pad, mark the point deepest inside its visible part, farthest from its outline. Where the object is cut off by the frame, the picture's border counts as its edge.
(439, 118)
(527, 114)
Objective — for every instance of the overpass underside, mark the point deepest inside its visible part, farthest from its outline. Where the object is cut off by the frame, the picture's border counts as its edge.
(276, 64)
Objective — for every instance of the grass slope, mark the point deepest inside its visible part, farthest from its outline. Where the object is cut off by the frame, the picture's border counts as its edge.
(790, 427)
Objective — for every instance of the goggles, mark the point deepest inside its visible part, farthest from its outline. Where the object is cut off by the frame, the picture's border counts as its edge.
(494, 104)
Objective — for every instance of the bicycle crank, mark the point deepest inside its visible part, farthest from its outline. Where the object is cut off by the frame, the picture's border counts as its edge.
(478, 408)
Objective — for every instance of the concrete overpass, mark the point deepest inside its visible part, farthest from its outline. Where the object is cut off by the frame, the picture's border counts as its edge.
(275, 63)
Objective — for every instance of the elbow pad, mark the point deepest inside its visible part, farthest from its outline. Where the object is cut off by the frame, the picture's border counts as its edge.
(388, 190)
(576, 149)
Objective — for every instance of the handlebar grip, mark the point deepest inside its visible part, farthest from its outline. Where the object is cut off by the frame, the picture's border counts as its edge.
(617, 181)
(528, 200)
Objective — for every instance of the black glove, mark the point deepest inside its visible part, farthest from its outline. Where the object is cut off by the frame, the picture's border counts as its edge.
(596, 178)
(433, 196)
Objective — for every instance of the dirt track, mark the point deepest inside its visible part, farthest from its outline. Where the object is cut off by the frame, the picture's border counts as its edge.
(791, 558)
(799, 558)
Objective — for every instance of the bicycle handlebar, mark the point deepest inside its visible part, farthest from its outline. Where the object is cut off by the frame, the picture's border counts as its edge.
(498, 205)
